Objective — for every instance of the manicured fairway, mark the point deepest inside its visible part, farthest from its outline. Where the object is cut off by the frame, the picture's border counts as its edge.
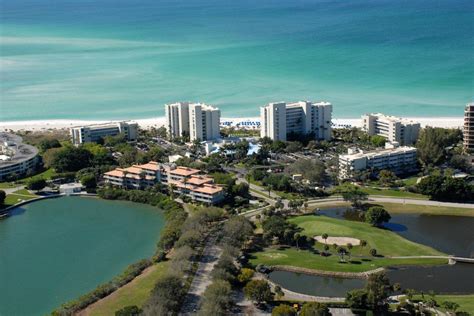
(387, 244)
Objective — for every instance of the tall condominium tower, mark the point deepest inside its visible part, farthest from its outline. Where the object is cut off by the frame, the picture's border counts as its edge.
(198, 120)
(279, 120)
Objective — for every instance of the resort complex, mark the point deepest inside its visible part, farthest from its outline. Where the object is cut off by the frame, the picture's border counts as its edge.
(16, 158)
(181, 180)
(400, 160)
(196, 120)
(280, 120)
(97, 132)
(394, 129)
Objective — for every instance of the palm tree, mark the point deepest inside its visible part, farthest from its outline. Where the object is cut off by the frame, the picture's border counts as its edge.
(171, 188)
(363, 243)
(325, 237)
(349, 247)
(326, 249)
(297, 237)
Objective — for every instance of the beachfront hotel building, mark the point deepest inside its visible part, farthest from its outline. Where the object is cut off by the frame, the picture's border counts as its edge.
(182, 180)
(96, 132)
(17, 159)
(199, 121)
(280, 119)
(468, 131)
(400, 160)
(394, 129)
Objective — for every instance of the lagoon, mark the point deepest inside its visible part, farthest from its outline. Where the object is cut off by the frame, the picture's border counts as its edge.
(55, 250)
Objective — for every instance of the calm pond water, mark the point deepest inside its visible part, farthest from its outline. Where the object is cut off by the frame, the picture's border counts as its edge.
(54, 250)
(456, 279)
(315, 284)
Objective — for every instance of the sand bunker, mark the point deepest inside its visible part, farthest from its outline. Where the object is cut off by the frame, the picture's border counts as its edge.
(340, 241)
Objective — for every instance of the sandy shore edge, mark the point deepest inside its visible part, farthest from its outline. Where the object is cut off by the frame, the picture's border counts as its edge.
(39, 125)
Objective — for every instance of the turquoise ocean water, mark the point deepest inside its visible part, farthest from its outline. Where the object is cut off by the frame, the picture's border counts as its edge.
(118, 59)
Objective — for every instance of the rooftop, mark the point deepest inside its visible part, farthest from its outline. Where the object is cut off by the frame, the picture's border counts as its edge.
(184, 171)
(17, 151)
(379, 152)
(392, 118)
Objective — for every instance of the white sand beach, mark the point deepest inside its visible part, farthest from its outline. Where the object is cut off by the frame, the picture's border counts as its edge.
(43, 125)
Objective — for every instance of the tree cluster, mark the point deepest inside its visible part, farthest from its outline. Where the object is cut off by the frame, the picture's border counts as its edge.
(446, 188)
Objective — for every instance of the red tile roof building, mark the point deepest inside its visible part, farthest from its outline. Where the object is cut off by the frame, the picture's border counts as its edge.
(182, 180)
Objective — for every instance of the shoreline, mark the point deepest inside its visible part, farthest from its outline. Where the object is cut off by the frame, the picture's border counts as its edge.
(156, 122)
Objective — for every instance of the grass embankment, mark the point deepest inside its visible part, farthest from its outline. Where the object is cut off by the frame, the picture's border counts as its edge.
(7, 185)
(387, 244)
(17, 196)
(134, 293)
(427, 209)
(394, 193)
(466, 302)
(399, 208)
(46, 174)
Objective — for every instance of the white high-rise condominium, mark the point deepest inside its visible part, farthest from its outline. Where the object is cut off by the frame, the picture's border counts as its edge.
(198, 120)
(279, 120)
(394, 129)
(177, 119)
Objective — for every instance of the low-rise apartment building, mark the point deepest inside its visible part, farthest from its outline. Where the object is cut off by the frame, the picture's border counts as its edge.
(182, 180)
(394, 129)
(198, 120)
(96, 132)
(400, 160)
(17, 159)
(279, 120)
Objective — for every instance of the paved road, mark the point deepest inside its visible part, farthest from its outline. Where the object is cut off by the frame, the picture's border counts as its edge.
(202, 278)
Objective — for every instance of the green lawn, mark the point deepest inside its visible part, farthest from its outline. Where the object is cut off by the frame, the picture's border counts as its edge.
(466, 302)
(7, 185)
(134, 293)
(386, 243)
(17, 196)
(47, 175)
(309, 260)
(394, 193)
(424, 209)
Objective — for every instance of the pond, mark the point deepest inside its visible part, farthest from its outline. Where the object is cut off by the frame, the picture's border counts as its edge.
(439, 279)
(54, 250)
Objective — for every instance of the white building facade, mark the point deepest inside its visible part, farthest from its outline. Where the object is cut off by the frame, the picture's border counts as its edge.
(468, 132)
(279, 120)
(177, 119)
(199, 121)
(400, 160)
(17, 159)
(394, 129)
(96, 132)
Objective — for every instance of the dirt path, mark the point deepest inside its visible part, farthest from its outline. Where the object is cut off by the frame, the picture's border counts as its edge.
(202, 278)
